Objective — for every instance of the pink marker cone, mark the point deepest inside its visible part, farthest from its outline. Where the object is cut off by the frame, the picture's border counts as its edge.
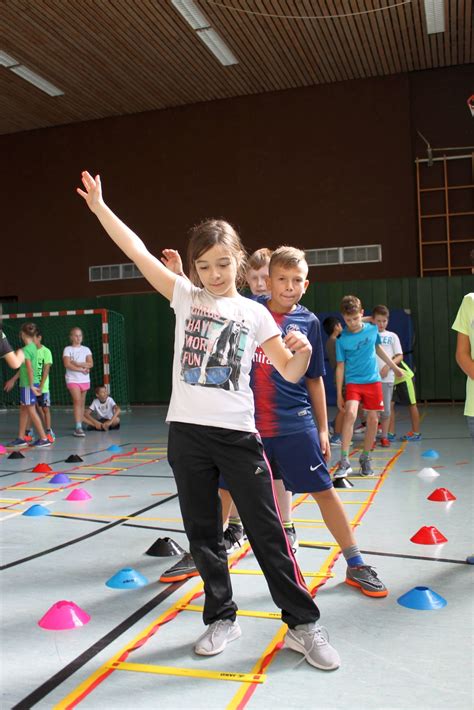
(64, 615)
(78, 494)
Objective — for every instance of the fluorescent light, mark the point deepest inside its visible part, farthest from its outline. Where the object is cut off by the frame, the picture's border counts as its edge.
(36, 80)
(217, 46)
(434, 14)
(6, 60)
(192, 14)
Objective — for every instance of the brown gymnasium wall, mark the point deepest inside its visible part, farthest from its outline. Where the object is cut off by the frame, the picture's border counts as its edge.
(316, 167)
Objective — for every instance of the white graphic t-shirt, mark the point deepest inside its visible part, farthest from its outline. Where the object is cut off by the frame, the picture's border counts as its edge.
(103, 410)
(77, 354)
(391, 344)
(215, 339)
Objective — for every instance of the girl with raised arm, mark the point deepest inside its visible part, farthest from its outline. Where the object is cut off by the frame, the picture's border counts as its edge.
(212, 428)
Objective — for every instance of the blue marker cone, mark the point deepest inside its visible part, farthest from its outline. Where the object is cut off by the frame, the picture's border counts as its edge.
(36, 511)
(115, 447)
(60, 478)
(430, 454)
(127, 578)
(422, 599)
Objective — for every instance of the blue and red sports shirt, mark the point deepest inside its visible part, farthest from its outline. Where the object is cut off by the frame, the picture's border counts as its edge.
(281, 407)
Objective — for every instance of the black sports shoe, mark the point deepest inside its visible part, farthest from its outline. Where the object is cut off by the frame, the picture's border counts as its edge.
(233, 537)
(181, 570)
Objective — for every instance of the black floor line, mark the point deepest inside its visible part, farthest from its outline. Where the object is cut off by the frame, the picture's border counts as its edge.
(391, 554)
(48, 686)
(77, 517)
(125, 525)
(85, 537)
(413, 557)
(152, 527)
(131, 475)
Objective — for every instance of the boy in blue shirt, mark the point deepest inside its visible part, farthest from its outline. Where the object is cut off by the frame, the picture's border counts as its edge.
(356, 353)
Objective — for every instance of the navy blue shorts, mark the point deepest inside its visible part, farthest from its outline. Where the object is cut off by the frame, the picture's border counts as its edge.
(298, 460)
(43, 400)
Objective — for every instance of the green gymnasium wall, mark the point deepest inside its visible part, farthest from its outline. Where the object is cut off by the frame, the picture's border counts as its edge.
(433, 303)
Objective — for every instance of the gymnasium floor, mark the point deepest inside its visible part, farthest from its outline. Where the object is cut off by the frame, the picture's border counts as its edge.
(392, 656)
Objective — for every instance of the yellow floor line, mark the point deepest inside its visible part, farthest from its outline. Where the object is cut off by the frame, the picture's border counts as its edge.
(240, 612)
(79, 692)
(189, 672)
(310, 520)
(259, 573)
(117, 517)
(102, 468)
(34, 488)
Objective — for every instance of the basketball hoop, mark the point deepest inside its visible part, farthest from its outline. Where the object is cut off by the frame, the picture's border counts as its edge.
(470, 103)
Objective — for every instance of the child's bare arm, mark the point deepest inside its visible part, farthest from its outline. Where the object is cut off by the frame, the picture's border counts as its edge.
(340, 368)
(15, 359)
(291, 361)
(9, 384)
(388, 361)
(317, 397)
(29, 369)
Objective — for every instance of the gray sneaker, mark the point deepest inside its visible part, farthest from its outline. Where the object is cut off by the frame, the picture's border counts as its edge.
(183, 569)
(78, 432)
(292, 538)
(366, 579)
(343, 469)
(216, 637)
(312, 641)
(365, 466)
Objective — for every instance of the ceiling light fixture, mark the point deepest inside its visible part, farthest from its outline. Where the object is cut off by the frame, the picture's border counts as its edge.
(199, 22)
(434, 14)
(36, 80)
(217, 46)
(192, 14)
(6, 60)
(20, 70)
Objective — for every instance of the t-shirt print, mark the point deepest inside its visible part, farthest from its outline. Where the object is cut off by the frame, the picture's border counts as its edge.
(213, 347)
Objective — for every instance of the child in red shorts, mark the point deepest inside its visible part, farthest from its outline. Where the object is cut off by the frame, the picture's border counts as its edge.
(356, 351)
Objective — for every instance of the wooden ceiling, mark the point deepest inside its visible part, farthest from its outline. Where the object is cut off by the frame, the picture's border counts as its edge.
(115, 57)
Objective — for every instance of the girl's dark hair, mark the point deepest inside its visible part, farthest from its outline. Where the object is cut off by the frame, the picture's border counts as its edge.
(29, 329)
(208, 234)
(329, 324)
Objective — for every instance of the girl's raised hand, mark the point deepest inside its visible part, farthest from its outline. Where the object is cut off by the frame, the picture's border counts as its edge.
(93, 190)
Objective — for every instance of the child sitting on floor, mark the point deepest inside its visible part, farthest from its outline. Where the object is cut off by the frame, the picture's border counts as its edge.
(103, 413)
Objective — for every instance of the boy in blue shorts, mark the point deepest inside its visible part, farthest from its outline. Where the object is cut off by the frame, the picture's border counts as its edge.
(286, 416)
(356, 352)
(292, 419)
(29, 391)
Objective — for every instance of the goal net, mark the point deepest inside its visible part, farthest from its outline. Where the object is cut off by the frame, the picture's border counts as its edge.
(104, 334)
